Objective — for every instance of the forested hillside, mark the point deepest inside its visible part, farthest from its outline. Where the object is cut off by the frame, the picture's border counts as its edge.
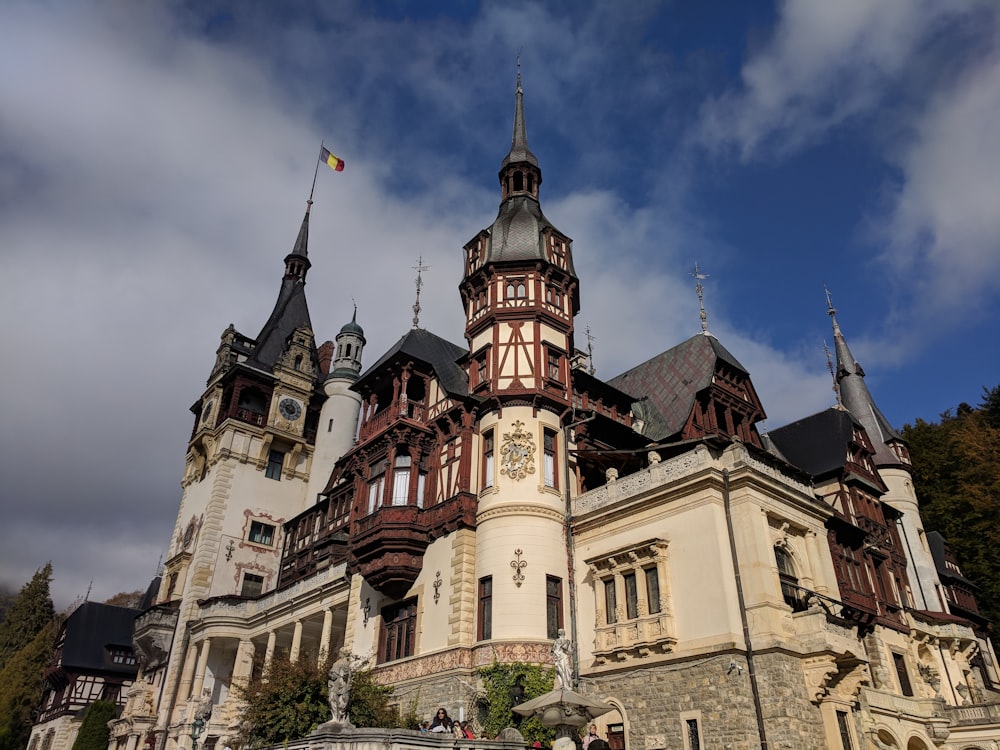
(956, 471)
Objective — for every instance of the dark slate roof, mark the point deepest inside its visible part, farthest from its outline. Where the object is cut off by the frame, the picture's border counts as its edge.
(816, 444)
(516, 235)
(519, 150)
(937, 544)
(149, 598)
(667, 384)
(91, 630)
(290, 312)
(427, 347)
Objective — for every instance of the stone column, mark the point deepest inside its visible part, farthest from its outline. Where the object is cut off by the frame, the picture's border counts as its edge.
(813, 551)
(184, 688)
(199, 674)
(272, 639)
(293, 654)
(324, 640)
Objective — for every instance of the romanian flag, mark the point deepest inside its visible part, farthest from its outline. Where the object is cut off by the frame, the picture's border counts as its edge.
(336, 164)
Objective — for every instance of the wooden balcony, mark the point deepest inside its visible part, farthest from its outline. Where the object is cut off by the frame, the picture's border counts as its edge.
(413, 412)
(387, 547)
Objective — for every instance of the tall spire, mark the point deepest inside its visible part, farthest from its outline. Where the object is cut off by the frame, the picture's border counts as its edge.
(290, 309)
(519, 151)
(857, 399)
(300, 250)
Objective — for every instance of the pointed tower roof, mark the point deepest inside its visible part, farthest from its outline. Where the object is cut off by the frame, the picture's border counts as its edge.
(519, 151)
(857, 399)
(519, 232)
(290, 310)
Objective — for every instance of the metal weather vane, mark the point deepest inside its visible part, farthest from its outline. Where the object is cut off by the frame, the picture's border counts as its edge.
(699, 277)
(419, 268)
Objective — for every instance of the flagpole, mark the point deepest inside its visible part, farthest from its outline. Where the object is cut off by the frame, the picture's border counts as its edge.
(315, 173)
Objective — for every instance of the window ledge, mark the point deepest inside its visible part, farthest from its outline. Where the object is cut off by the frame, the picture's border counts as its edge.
(634, 639)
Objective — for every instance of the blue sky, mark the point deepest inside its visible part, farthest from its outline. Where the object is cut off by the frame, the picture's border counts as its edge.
(155, 160)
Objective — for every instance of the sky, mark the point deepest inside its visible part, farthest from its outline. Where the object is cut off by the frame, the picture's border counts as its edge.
(156, 158)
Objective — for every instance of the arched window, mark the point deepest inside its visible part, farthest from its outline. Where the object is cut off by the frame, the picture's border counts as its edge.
(794, 596)
(518, 181)
(298, 362)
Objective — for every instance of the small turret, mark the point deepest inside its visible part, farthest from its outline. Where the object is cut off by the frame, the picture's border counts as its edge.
(338, 420)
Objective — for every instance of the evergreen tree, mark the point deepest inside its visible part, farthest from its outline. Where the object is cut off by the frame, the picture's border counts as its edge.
(30, 612)
(956, 472)
(94, 733)
(21, 683)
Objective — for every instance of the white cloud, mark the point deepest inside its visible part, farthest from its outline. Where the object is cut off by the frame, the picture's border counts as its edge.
(943, 228)
(826, 62)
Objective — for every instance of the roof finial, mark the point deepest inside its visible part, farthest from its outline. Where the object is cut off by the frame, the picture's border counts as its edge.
(833, 374)
(419, 268)
(699, 277)
(518, 68)
(831, 310)
(590, 351)
(354, 318)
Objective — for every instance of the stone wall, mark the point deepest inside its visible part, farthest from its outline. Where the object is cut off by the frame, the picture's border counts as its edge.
(659, 700)
(453, 691)
(790, 718)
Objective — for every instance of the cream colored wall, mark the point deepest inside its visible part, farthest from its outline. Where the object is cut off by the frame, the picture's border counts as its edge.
(688, 513)
(343, 406)
(920, 564)
(700, 579)
(518, 514)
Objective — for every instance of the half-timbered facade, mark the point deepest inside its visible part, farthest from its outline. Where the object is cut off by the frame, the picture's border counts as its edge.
(92, 660)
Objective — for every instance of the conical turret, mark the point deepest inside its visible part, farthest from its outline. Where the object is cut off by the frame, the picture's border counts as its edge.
(890, 448)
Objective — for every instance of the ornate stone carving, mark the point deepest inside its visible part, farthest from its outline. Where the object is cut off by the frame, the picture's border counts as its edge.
(517, 453)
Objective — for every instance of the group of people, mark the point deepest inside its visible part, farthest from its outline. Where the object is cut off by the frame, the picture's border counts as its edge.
(444, 724)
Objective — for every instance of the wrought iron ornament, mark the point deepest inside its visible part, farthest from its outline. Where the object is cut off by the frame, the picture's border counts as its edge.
(518, 565)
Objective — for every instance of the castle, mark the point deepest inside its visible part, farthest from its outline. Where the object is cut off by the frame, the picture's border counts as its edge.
(455, 504)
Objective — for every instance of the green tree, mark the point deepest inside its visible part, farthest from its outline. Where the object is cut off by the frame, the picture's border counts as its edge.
(284, 703)
(956, 472)
(21, 683)
(290, 699)
(30, 612)
(368, 704)
(496, 706)
(94, 733)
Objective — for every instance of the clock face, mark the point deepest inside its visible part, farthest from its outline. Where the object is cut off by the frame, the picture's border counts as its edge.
(289, 409)
(206, 411)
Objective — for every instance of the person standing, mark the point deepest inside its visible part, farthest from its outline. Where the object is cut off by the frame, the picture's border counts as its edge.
(591, 736)
(442, 722)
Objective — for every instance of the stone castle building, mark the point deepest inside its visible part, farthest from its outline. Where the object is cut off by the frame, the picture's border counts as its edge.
(458, 503)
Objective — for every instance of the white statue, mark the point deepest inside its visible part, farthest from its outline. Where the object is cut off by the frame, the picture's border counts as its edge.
(339, 687)
(562, 651)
